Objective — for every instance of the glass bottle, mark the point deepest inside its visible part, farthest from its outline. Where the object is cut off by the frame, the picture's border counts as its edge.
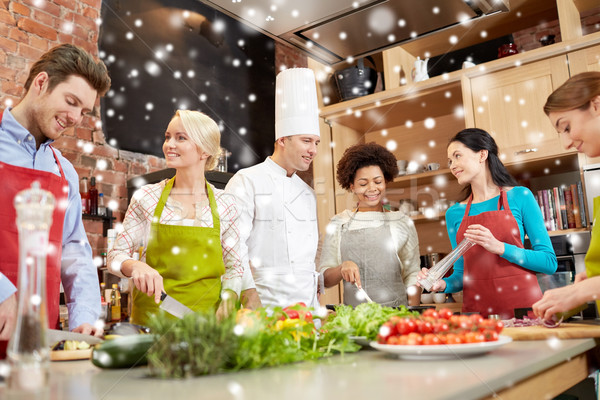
(115, 301)
(85, 196)
(101, 206)
(28, 352)
(93, 197)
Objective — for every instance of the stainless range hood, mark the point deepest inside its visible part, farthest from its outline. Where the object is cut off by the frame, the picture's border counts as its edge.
(333, 31)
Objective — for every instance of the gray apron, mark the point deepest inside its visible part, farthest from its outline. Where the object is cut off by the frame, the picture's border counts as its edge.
(378, 263)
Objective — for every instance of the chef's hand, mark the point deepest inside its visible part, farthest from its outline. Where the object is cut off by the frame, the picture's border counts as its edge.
(227, 306)
(482, 236)
(146, 279)
(8, 317)
(439, 286)
(351, 273)
(557, 300)
(88, 329)
(580, 277)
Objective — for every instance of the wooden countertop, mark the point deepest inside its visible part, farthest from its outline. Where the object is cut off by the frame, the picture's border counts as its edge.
(518, 368)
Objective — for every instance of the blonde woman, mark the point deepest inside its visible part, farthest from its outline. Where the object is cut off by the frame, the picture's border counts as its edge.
(186, 227)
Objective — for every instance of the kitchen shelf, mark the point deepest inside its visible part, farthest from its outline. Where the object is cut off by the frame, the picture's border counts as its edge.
(434, 97)
(423, 178)
(106, 220)
(567, 231)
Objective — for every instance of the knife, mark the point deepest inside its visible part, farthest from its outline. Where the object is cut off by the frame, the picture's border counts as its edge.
(173, 307)
(55, 335)
(362, 293)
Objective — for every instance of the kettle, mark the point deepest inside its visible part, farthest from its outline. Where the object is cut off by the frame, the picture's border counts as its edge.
(419, 72)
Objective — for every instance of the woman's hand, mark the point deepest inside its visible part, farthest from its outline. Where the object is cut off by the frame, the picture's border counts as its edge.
(227, 306)
(147, 279)
(580, 277)
(557, 300)
(482, 236)
(439, 286)
(350, 272)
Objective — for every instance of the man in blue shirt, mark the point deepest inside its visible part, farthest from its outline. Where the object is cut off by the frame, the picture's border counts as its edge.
(62, 87)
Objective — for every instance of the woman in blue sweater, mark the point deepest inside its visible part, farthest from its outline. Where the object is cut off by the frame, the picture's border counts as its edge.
(497, 275)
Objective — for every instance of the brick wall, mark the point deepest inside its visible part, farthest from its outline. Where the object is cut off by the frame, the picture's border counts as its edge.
(28, 28)
(529, 39)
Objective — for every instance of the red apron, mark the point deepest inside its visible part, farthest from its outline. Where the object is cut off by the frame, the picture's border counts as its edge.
(492, 284)
(14, 179)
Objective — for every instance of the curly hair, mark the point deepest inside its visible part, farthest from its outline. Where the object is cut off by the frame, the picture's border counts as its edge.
(365, 155)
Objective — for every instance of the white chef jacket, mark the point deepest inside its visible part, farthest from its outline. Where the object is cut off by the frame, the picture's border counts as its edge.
(278, 220)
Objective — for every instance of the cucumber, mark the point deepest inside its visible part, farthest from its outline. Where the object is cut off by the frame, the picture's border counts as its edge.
(122, 352)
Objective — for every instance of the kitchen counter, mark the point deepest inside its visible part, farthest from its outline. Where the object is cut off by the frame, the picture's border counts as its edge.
(527, 369)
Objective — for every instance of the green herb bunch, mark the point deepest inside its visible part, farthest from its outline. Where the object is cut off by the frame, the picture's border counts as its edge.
(199, 344)
(363, 320)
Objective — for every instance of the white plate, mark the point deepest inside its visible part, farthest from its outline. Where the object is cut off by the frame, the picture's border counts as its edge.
(436, 352)
(360, 340)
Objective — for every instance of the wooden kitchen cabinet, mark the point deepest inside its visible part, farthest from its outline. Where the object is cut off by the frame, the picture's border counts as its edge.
(509, 105)
(415, 121)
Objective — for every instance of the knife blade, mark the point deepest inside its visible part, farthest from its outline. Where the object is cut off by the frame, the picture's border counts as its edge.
(362, 293)
(55, 335)
(173, 306)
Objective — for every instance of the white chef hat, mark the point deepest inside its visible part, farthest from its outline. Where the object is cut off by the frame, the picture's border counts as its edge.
(296, 108)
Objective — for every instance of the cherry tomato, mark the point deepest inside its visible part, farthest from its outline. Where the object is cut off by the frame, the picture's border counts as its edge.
(490, 336)
(440, 326)
(414, 339)
(474, 337)
(403, 340)
(498, 326)
(431, 339)
(430, 312)
(475, 318)
(386, 330)
(405, 326)
(425, 327)
(393, 340)
(291, 314)
(445, 313)
(453, 338)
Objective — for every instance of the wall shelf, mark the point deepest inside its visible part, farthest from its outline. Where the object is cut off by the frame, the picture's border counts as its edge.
(107, 220)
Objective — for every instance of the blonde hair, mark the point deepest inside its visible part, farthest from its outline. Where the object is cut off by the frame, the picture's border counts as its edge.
(576, 93)
(204, 132)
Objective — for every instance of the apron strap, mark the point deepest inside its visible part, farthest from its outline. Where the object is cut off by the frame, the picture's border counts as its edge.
(502, 202)
(62, 174)
(213, 208)
(163, 199)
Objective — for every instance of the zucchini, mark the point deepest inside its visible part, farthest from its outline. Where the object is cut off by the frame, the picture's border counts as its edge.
(122, 352)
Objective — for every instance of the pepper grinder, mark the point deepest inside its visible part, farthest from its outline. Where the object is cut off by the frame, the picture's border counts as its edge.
(28, 352)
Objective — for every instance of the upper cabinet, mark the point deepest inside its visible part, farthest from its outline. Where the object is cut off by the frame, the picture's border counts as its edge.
(509, 105)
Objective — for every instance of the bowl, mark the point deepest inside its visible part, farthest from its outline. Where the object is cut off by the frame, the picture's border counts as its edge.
(426, 298)
(439, 298)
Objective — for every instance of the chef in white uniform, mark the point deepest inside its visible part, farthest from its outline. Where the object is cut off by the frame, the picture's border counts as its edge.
(278, 221)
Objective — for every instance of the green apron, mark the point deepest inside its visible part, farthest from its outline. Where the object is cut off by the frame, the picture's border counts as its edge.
(189, 258)
(592, 258)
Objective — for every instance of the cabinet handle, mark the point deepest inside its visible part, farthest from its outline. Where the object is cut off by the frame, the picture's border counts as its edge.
(526, 151)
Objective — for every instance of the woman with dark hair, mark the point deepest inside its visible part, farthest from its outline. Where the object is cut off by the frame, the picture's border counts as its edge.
(369, 247)
(574, 110)
(498, 275)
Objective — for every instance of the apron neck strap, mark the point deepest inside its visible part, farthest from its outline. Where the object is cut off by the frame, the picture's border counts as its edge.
(165, 195)
(62, 174)
(502, 202)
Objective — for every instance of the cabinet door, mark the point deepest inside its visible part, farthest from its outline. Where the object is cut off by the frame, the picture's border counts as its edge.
(509, 105)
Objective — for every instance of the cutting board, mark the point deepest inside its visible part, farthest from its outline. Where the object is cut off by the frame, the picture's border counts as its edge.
(564, 331)
(66, 355)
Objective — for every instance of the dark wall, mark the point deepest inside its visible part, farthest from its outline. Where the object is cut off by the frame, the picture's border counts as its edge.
(163, 55)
